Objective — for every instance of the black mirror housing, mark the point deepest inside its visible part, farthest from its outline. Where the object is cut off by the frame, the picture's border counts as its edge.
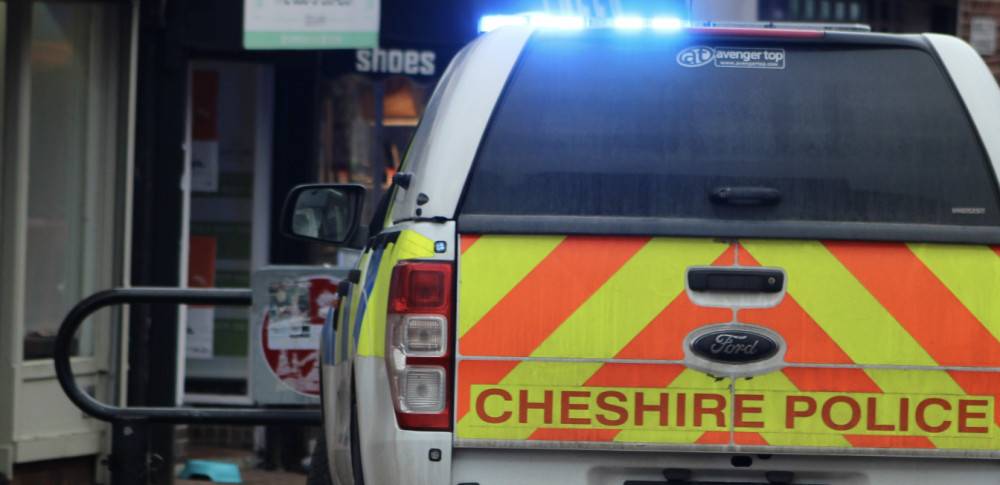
(328, 213)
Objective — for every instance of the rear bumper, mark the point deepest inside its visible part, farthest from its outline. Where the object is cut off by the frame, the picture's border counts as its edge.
(579, 467)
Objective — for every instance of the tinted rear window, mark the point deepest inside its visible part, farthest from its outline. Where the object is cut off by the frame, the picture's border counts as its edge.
(593, 124)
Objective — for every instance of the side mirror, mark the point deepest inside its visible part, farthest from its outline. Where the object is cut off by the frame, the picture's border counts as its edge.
(325, 213)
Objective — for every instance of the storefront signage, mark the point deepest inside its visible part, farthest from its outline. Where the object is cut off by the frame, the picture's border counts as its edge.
(396, 61)
(310, 24)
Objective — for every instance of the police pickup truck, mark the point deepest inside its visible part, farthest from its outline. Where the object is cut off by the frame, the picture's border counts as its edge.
(695, 256)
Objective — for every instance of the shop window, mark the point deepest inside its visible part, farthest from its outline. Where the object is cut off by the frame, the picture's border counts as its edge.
(813, 11)
(352, 126)
(824, 10)
(71, 166)
(855, 12)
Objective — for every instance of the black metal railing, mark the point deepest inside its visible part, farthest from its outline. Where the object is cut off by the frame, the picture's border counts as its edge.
(129, 461)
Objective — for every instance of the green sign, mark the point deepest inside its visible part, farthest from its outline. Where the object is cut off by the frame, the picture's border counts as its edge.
(310, 24)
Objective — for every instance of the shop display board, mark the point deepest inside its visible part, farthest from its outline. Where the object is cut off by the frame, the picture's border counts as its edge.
(290, 304)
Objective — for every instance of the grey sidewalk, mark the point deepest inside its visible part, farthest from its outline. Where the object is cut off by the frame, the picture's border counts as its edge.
(257, 477)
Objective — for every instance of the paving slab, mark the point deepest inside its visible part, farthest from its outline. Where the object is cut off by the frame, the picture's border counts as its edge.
(257, 477)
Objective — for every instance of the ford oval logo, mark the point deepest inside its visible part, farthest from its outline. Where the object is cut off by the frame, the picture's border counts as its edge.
(695, 56)
(734, 346)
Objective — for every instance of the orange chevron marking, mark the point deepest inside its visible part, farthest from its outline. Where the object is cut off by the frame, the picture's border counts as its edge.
(543, 300)
(920, 302)
(635, 375)
(980, 384)
(468, 240)
(748, 438)
(479, 372)
(714, 438)
(871, 441)
(811, 379)
(663, 337)
(559, 434)
(996, 249)
(807, 342)
(746, 259)
(728, 258)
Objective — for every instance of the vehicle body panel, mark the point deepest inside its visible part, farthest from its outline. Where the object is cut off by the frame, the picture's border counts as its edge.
(450, 129)
(589, 339)
(358, 371)
(616, 467)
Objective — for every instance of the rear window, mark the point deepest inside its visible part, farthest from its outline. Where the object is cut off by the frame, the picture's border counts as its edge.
(596, 124)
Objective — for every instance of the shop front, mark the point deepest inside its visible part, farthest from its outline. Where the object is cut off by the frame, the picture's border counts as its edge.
(65, 168)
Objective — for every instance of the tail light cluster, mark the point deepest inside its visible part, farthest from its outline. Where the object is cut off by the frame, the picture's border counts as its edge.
(418, 349)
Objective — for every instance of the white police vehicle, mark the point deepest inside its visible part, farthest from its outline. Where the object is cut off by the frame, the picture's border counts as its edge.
(700, 255)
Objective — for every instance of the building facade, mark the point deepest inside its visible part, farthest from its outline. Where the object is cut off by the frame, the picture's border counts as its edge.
(977, 23)
(65, 192)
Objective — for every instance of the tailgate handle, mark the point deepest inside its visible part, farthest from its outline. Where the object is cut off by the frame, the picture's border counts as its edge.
(743, 279)
(745, 195)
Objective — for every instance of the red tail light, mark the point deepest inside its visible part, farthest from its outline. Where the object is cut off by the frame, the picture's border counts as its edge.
(418, 344)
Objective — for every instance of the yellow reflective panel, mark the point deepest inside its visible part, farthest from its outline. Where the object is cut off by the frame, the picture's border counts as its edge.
(968, 424)
(764, 408)
(351, 319)
(540, 403)
(839, 304)
(972, 273)
(371, 341)
(630, 299)
(491, 267)
(413, 245)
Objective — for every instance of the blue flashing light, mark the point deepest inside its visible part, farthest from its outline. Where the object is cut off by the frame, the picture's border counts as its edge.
(629, 23)
(556, 22)
(493, 22)
(666, 23)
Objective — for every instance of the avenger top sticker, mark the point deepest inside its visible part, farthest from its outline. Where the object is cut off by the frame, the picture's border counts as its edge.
(698, 55)
(741, 57)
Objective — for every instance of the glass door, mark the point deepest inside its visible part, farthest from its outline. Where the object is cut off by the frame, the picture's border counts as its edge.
(228, 220)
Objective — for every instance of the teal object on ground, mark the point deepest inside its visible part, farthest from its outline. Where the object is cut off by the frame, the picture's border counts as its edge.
(216, 471)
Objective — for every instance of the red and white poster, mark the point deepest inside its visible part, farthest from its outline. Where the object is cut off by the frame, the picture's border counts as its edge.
(292, 328)
(205, 131)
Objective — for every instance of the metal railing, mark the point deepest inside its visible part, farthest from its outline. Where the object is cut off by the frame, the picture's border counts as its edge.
(129, 460)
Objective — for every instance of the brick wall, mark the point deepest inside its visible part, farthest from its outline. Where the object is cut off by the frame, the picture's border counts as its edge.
(967, 9)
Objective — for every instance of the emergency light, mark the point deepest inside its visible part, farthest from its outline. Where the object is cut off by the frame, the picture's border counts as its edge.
(492, 22)
(629, 23)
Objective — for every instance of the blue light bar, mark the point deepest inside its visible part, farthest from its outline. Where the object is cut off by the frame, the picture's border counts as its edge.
(492, 22)
(667, 23)
(629, 23)
(556, 22)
